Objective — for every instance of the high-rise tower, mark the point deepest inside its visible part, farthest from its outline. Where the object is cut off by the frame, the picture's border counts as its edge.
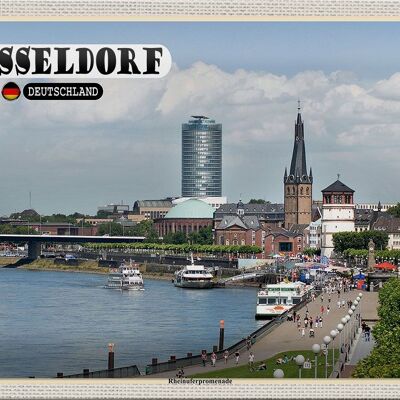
(298, 183)
(201, 158)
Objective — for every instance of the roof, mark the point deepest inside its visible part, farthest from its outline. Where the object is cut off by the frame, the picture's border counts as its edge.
(192, 209)
(153, 203)
(338, 187)
(252, 209)
(244, 222)
(298, 228)
(389, 225)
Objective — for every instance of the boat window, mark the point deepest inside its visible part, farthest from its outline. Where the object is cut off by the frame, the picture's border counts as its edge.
(283, 300)
(272, 300)
(262, 301)
(296, 301)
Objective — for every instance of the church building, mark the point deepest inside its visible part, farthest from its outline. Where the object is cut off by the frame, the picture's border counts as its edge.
(298, 183)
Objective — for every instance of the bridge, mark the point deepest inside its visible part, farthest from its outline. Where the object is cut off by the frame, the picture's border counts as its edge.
(34, 241)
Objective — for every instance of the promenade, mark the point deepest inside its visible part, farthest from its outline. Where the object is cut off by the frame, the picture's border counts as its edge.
(286, 337)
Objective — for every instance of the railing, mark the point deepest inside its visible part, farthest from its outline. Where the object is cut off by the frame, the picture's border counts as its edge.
(173, 364)
(123, 372)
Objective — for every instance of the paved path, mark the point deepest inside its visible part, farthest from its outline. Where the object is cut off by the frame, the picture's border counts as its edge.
(286, 337)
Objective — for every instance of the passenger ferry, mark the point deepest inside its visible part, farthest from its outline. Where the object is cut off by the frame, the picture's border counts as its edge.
(193, 277)
(126, 277)
(275, 299)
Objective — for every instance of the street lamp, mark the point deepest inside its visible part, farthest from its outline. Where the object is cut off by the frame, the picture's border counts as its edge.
(344, 322)
(348, 330)
(316, 348)
(299, 361)
(278, 373)
(340, 327)
(327, 340)
(333, 334)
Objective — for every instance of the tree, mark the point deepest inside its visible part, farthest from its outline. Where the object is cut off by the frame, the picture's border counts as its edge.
(359, 240)
(112, 229)
(146, 228)
(395, 210)
(259, 201)
(175, 238)
(103, 214)
(383, 362)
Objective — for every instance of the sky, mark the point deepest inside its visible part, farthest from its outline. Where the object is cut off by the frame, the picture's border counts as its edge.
(77, 155)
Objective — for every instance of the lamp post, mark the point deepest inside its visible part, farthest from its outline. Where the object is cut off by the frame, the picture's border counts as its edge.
(344, 322)
(348, 330)
(360, 295)
(326, 340)
(350, 312)
(278, 373)
(316, 348)
(300, 362)
(333, 334)
(340, 327)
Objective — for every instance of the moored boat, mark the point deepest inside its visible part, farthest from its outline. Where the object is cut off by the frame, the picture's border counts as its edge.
(274, 299)
(193, 277)
(125, 277)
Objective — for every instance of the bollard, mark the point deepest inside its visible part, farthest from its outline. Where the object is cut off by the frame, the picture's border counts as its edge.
(221, 334)
(154, 361)
(60, 375)
(189, 355)
(86, 373)
(111, 356)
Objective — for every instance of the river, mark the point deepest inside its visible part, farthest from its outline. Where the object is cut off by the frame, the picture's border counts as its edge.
(62, 322)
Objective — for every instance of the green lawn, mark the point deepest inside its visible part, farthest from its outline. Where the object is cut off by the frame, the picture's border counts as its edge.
(290, 369)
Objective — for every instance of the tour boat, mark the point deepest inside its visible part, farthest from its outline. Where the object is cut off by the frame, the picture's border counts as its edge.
(274, 299)
(193, 277)
(126, 277)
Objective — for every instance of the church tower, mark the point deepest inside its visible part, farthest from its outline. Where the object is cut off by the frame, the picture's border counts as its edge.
(298, 183)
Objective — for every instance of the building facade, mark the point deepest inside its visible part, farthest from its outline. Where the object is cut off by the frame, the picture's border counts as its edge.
(150, 209)
(338, 214)
(391, 226)
(187, 217)
(374, 206)
(298, 182)
(312, 235)
(201, 158)
(214, 202)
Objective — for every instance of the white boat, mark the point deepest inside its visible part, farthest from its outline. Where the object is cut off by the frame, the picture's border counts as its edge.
(193, 277)
(126, 277)
(274, 299)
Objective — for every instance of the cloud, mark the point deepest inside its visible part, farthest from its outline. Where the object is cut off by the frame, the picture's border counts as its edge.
(132, 135)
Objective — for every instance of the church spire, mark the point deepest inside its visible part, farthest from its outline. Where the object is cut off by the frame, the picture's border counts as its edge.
(298, 166)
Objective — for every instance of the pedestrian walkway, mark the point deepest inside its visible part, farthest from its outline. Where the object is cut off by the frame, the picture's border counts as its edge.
(286, 337)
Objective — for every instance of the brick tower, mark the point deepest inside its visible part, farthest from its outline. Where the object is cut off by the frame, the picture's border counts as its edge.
(298, 183)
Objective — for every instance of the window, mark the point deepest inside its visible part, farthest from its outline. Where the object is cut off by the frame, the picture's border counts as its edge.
(262, 301)
(271, 300)
(337, 199)
(296, 301)
(285, 246)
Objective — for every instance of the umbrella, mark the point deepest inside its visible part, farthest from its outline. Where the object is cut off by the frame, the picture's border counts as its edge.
(386, 266)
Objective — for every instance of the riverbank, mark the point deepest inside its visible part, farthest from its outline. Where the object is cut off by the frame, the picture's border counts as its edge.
(87, 266)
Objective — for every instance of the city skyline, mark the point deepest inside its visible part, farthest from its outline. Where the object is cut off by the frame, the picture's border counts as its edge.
(75, 156)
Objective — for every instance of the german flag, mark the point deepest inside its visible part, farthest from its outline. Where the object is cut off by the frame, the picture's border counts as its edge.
(11, 91)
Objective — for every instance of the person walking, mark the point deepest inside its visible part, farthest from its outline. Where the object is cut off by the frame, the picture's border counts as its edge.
(303, 332)
(327, 310)
(339, 303)
(226, 355)
(343, 303)
(329, 299)
(237, 355)
(213, 359)
(316, 321)
(320, 321)
(311, 322)
(294, 316)
(204, 358)
(322, 298)
(322, 309)
(251, 361)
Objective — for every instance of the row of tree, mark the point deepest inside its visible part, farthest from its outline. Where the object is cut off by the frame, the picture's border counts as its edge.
(393, 255)
(359, 240)
(384, 362)
(177, 248)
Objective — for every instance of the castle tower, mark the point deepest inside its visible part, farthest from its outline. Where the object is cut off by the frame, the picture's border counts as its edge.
(338, 210)
(298, 183)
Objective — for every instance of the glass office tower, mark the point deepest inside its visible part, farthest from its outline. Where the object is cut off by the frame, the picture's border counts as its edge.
(201, 158)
